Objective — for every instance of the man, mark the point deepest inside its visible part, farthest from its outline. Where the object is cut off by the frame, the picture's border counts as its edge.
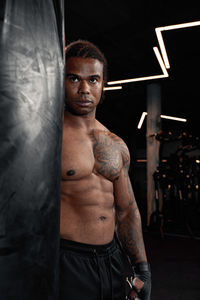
(100, 220)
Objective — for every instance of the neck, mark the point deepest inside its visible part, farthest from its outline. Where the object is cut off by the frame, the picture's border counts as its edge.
(82, 122)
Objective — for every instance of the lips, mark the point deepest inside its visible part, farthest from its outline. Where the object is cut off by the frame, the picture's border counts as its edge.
(83, 103)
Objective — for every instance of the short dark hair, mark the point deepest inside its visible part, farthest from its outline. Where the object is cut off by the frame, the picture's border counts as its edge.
(86, 49)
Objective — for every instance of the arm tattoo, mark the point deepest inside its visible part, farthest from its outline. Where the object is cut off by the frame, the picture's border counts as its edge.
(129, 228)
(107, 153)
(111, 155)
(130, 235)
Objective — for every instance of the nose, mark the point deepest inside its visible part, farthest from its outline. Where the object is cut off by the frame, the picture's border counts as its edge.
(83, 87)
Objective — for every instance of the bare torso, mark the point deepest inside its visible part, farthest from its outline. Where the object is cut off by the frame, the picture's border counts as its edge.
(91, 162)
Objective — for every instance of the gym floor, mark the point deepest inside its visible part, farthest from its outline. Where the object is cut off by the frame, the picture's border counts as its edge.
(175, 265)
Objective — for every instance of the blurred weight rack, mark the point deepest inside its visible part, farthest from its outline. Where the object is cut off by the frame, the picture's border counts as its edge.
(177, 186)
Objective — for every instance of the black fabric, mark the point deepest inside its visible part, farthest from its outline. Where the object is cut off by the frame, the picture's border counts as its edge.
(143, 272)
(91, 272)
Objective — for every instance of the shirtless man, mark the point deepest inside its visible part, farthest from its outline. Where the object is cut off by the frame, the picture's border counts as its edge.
(97, 201)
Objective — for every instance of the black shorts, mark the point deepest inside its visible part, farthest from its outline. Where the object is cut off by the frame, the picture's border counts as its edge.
(92, 272)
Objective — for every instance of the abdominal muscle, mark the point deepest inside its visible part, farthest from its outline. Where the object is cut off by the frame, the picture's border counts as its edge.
(87, 210)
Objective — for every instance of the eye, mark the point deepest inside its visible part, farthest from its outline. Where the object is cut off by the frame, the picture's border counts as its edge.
(93, 79)
(73, 78)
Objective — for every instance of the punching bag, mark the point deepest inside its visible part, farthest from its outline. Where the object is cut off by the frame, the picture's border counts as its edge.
(31, 104)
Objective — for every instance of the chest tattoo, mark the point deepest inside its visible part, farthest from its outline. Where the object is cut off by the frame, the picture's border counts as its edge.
(107, 154)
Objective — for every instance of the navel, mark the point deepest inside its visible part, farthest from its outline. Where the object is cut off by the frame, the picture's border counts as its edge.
(102, 218)
(71, 172)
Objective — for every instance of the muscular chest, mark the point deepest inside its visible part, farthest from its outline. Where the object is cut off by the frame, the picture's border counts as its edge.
(83, 155)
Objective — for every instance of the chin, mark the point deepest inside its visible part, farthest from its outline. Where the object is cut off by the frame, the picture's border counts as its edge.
(79, 112)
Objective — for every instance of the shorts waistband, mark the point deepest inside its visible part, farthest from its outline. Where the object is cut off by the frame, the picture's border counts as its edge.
(88, 248)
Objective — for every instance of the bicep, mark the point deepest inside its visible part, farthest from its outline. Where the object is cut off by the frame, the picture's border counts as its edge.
(124, 196)
(125, 203)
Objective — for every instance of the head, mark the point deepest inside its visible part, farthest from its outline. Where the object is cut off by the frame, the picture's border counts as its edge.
(86, 49)
(86, 74)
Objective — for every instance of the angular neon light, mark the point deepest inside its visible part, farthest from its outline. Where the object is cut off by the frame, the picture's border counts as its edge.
(162, 65)
(162, 60)
(159, 58)
(170, 27)
(162, 47)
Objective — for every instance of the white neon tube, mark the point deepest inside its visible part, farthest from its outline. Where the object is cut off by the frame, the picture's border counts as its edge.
(170, 27)
(144, 114)
(162, 47)
(173, 118)
(159, 58)
(157, 53)
(142, 119)
(108, 88)
(137, 79)
(179, 26)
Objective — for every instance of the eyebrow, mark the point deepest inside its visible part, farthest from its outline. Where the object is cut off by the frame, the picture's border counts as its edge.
(73, 74)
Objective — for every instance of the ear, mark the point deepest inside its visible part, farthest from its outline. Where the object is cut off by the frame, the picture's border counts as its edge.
(102, 96)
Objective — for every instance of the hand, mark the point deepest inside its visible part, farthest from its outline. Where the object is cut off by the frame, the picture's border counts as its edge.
(141, 283)
(136, 285)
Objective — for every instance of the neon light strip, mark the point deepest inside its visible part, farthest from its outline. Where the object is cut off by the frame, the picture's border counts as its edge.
(143, 160)
(162, 65)
(159, 58)
(173, 118)
(170, 27)
(144, 114)
(179, 26)
(112, 88)
(157, 53)
(162, 47)
(142, 119)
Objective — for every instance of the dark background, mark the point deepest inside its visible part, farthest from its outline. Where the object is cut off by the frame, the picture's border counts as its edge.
(125, 32)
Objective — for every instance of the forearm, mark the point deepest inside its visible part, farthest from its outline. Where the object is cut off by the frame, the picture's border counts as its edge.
(129, 231)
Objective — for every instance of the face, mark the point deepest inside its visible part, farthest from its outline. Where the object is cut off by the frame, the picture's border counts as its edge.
(83, 85)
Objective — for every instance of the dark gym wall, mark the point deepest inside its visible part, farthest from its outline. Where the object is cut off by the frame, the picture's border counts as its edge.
(31, 103)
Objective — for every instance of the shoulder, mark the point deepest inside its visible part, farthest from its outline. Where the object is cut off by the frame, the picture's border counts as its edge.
(122, 148)
(103, 134)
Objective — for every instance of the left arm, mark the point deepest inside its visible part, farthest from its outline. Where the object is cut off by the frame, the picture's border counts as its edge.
(128, 220)
(129, 230)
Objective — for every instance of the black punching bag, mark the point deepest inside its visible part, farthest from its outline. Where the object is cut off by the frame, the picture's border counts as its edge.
(31, 104)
